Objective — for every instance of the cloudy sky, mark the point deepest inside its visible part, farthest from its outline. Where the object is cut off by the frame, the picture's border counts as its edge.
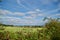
(28, 12)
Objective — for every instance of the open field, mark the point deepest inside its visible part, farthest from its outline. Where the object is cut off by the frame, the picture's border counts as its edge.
(16, 29)
(25, 33)
(20, 33)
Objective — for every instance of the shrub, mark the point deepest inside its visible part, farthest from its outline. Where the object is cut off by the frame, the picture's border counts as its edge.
(53, 28)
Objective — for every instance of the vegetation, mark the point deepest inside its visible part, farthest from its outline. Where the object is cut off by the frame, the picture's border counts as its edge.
(50, 31)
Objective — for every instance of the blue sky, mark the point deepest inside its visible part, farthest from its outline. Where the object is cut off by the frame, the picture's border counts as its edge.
(28, 12)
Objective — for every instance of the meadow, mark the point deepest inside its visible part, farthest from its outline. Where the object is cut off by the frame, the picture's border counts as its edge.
(49, 31)
(20, 33)
(16, 29)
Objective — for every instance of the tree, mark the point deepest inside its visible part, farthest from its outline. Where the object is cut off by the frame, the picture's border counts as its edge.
(53, 27)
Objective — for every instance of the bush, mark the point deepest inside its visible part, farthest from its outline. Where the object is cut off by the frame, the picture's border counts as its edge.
(53, 29)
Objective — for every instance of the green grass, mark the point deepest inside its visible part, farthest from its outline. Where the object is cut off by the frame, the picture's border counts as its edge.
(16, 29)
(20, 33)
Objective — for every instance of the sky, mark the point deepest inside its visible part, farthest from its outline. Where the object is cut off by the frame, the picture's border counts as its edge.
(28, 12)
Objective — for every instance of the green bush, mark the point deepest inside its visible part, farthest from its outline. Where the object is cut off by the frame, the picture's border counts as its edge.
(53, 29)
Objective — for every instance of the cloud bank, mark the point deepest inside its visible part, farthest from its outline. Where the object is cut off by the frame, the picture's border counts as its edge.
(25, 18)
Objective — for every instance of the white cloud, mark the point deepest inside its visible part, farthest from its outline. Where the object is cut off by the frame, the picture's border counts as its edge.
(27, 17)
(58, 14)
(6, 12)
(35, 13)
(44, 2)
(30, 19)
(59, 5)
(32, 14)
(19, 21)
(21, 5)
(38, 10)
(51, 11)
(18, 14)
(40, 14)
(49, 2)
(55, 0)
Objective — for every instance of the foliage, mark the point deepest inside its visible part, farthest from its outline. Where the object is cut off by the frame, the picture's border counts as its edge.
(53, 28)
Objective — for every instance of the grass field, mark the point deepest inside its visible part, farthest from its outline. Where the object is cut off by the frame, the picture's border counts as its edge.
(16, 29)
(20, 33)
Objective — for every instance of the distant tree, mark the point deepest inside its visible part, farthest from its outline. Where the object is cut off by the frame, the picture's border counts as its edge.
(1, 25)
